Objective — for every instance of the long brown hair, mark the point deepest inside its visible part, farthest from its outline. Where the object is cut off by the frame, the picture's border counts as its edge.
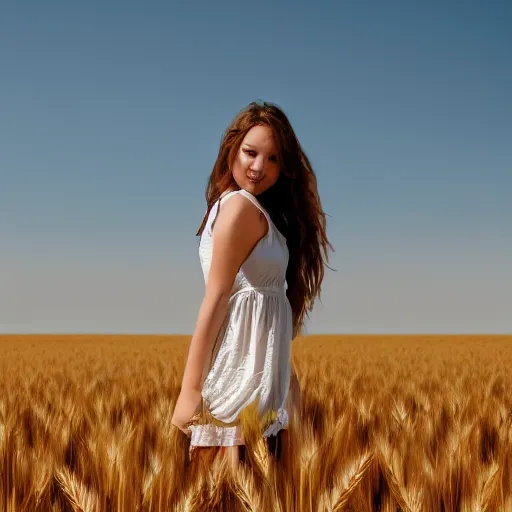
(292, 202)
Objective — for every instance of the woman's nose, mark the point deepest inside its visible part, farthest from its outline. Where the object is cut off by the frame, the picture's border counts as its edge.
(258, 163)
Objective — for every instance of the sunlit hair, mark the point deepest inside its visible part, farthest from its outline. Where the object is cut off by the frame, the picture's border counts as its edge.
(292, 202)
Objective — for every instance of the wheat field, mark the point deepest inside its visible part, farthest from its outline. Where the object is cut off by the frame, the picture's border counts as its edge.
(384, 423)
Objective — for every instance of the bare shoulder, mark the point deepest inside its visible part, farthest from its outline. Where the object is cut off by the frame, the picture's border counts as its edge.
(238, 215)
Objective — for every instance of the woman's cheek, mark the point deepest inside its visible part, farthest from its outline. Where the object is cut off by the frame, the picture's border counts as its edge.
(244, 161)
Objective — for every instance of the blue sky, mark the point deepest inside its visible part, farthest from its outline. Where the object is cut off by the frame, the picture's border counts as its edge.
(111, 114)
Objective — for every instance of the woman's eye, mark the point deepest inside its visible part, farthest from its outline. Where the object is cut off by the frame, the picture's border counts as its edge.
(250, 152)
(273, 158)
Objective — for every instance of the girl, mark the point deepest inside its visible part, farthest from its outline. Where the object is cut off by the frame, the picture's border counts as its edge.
(262, 249)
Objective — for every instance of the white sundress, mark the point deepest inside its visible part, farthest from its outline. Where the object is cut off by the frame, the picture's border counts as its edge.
(251, 355)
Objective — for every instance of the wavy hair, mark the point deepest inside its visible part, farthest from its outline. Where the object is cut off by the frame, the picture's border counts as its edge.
(292, 202)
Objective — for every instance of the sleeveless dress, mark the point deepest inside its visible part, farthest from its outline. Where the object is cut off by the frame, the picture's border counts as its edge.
(251, 355)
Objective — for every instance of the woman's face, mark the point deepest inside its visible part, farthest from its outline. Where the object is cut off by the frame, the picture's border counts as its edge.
(256, 167)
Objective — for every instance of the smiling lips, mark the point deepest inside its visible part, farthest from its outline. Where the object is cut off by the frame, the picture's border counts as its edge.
(255, 177)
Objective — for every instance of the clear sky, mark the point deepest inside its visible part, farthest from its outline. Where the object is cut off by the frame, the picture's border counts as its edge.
(111, 114)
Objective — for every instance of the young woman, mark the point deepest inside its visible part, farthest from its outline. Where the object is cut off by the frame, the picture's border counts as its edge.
(263, 248)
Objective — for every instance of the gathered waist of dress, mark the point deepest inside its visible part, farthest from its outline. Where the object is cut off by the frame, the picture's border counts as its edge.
(274, 290)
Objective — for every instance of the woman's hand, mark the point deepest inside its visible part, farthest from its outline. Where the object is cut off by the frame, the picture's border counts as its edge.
(186, 407)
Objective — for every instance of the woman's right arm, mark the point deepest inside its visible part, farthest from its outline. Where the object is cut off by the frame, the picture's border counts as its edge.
(238, 228)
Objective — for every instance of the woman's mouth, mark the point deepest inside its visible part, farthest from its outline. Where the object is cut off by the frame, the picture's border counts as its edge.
(255, 177)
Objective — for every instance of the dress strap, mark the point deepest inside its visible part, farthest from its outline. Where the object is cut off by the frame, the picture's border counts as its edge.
(217, 207)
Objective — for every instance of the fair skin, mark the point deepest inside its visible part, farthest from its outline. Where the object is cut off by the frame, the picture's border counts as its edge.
(256, 167)
(239, 226)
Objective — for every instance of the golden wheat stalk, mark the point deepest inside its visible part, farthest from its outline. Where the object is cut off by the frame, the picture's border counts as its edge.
(410, 500)
(151, 476)
(244, 488)
(193, 499)
(252, 431)
(80, 497)
(488, 479)
(347, 483)
(43, 476)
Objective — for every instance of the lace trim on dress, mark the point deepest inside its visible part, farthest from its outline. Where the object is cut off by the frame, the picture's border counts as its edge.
(213, 435)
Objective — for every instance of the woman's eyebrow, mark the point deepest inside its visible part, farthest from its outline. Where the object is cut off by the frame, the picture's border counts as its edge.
(251, 146)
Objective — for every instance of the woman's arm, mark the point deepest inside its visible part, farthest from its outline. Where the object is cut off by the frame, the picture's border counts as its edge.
(238, 228)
